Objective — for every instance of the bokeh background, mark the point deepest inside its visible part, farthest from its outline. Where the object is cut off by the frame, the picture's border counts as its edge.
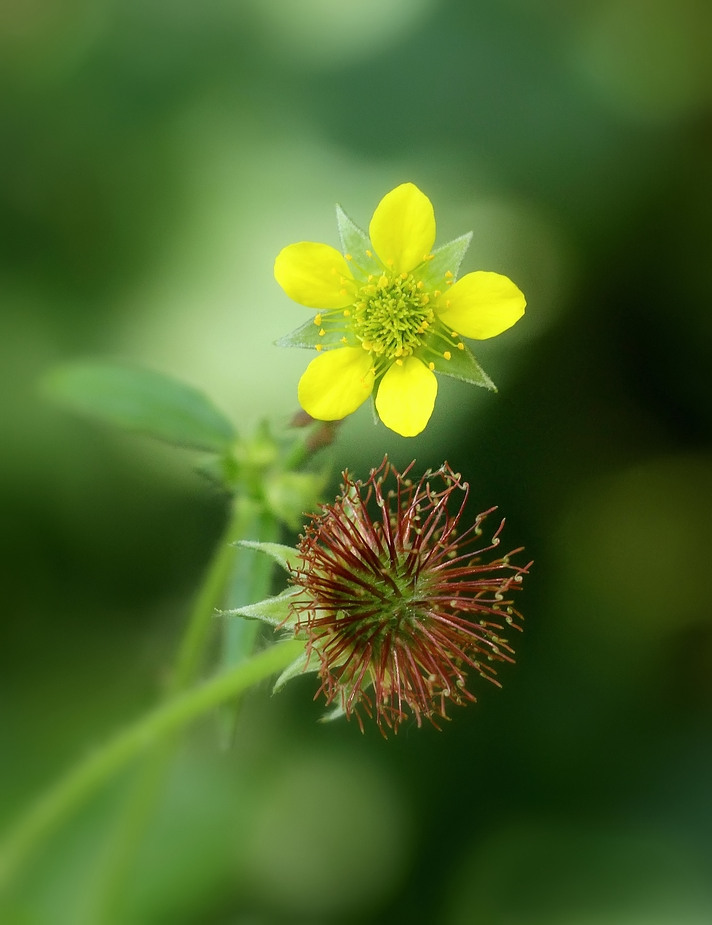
(155, 157)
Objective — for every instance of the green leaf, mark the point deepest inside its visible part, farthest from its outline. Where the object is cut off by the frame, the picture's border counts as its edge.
(462, 365)
(356, 244)
(445, 259)
(285, 556)
(275, 611)
(143, 401)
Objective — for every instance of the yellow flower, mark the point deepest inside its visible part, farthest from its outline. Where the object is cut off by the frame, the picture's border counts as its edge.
(390, 313)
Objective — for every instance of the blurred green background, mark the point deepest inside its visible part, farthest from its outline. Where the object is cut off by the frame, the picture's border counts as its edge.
(155, 157)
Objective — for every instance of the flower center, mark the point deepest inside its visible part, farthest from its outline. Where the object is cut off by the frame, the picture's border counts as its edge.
(392, 315)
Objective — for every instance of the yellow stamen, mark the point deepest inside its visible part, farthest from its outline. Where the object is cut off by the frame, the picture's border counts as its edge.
(447, 355)
(322, 332)
(461, 346)
(431, 366)
(319, 347)
(348, 257)
(448, 274)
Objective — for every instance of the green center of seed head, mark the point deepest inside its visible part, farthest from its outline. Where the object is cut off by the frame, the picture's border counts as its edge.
(394, 603)
(392, 316)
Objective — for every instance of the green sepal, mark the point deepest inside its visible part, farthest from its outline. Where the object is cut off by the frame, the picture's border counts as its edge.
(286, 556)
(462, 365)
(275, 611)
(142, 401)
(355, 243)
(306, 335)
(374, 412)
(331, 715)
(445, 259)
(303, 664)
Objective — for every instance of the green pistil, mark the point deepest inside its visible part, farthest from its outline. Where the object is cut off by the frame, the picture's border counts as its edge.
(392, 604)
(391, 319)
(392, 316)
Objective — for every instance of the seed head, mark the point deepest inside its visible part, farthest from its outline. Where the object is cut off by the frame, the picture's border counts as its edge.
(398, 606)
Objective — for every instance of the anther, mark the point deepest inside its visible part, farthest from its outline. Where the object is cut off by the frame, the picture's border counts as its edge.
(431, 366)
(461, 346)
(447, 355)
(317, 319)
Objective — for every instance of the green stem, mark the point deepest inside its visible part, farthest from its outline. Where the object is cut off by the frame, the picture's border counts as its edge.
(88, 776)
(248, 518)
(211, 592)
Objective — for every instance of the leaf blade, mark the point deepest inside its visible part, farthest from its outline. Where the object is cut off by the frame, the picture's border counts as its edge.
(140, 401)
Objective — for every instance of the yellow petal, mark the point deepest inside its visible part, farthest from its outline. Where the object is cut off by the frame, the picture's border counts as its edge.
(402, 229)
(481, 305)
(406, 397)
(336, 383)
(315, 275)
